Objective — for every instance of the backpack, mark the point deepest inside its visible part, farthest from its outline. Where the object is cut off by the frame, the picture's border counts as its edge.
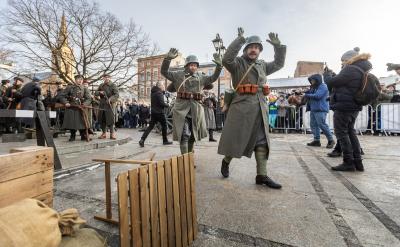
(369, 89)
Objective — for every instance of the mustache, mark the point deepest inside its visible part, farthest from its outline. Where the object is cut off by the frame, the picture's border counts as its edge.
(252, 53)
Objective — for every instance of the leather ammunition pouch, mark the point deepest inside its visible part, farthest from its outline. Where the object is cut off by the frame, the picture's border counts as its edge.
(189, 95)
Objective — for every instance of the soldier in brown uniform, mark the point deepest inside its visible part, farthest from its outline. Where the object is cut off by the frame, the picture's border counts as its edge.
(246, 126)
(188, 114)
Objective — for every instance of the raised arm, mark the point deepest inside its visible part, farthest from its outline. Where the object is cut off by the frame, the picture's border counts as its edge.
(230, 58)
(210, 79)
(173, 53)
(279, 56)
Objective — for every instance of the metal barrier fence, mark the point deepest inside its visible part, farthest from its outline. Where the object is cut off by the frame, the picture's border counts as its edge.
(387, 118)
(299, 119)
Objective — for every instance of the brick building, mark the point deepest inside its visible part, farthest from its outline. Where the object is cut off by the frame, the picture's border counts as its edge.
(306, 68)
(149, 73)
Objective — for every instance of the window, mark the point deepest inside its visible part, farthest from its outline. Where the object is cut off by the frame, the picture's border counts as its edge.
(148, 75)
(210, 71)
(142, 90)
(142, 77)
(155, 75)
(148, 63)
(148, 91)
(222, 73)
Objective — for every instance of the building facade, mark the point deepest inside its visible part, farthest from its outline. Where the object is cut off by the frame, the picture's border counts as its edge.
(306, 68)
(149, 73)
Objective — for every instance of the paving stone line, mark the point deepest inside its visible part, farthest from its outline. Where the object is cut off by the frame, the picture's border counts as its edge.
(343, 228)
(390, 224)
(239, 237)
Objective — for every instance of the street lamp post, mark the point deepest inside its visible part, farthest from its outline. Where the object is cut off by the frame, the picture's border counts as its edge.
(220, 48)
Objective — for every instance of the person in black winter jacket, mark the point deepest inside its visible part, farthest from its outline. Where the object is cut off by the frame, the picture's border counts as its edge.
(157, 114)
(343, 87)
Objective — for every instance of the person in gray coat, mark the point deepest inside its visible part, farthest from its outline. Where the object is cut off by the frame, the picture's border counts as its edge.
(246, 126)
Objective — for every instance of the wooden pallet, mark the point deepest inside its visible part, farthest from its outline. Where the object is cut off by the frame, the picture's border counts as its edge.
(27, 173)
(157, 204)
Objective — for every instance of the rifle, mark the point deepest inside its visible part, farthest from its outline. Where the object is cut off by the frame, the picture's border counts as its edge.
(59, 105)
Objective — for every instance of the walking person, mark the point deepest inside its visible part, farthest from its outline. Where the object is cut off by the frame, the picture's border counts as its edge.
(188, 113)
(157, 114)
(318, 106)
(246, 126)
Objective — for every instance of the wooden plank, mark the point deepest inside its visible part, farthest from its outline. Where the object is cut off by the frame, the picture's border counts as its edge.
(162, 204)
(144, 206)
(182, 200)
(107, 176)
(193, 195)
(26, 187)
(16, 165)
(177, 207)
(134, 195)
(186, 165)
(139, 162)
(170, 202)
(123, 209)
(105, 219)
(155, 234)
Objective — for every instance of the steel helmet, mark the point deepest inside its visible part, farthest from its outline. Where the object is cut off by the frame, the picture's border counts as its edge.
(191, 59)
(253, 40)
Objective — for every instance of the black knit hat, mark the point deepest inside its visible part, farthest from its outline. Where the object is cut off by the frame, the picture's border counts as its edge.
(5, 82)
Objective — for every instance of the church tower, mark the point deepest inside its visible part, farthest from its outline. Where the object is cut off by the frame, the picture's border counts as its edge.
(63, 54)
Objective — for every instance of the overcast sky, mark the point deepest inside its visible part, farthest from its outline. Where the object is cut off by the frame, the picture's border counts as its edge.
(313, 30)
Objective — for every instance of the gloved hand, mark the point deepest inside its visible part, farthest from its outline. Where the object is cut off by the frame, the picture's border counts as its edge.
(240, 32)
(273, 39)
(173, 53)
(217, 59)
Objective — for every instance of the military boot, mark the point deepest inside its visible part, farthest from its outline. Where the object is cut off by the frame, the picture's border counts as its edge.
(72, 137)
(330, 144)
(359, 165)
(315, 143)
(211, 136)
(141, 142)
(225, 169)
(261, 179)
(346, 166)
(335, 153)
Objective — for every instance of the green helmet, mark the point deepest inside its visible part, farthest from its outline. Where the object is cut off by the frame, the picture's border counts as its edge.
(191, 59)
(253, 40)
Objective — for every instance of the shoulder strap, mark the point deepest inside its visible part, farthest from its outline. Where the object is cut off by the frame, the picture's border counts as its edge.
(244, 76)
(183, 83)
(365, 77)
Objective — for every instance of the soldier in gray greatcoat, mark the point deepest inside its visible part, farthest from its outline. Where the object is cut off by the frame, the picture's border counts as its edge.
(188, 113)
(209, 104)
(246, 126)
(108, 93)
(75, 118)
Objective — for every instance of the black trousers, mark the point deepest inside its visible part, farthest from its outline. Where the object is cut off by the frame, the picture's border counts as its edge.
(157, 118)
(346, 135)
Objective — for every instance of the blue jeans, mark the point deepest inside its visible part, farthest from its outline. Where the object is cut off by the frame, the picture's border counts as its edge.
(318, 123)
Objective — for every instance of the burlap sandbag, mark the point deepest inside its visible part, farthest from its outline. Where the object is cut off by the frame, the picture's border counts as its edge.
(84, 237)
(29, 223)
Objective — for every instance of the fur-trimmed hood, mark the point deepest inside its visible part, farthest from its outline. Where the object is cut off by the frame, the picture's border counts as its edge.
(362, 56)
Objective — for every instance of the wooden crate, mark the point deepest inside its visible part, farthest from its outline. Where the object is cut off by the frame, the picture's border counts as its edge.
(27, 173)
(157, 204)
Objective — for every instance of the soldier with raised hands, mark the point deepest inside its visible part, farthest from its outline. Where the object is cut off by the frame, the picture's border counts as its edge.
(246, 126)
(188, 114)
